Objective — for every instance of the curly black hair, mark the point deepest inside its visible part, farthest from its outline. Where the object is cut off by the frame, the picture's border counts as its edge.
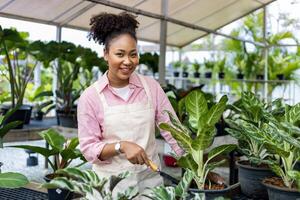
(106, 26)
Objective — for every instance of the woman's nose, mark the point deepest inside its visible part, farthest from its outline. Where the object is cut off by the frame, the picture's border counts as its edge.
(127, 60)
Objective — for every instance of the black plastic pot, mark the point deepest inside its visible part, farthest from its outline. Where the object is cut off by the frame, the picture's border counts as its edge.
(208, 74)
(196, 74)
(221, 75)
(185, 74)
(58, 193)
(280, 77)
(176, 74)
(28, 114)
(260, 77)
(18, 115)
(38, 115)
(67, 119)
(251, 178)
(279, 193)
(240, 76)
(228, 192)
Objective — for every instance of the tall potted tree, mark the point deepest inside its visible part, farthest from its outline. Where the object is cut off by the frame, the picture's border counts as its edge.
(20, 59)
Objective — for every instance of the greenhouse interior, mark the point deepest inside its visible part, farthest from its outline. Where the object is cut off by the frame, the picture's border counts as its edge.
(149, 99)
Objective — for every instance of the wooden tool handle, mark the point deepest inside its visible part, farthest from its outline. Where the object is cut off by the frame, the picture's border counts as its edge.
(153, 166)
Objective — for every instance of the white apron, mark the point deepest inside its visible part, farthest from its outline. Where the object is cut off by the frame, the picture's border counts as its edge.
(136, 123)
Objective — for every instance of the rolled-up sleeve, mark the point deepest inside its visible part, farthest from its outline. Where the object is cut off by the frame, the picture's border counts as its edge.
(89, 131)
(163, 103)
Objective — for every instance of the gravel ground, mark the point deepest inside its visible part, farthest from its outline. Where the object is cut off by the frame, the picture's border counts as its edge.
(14, 160)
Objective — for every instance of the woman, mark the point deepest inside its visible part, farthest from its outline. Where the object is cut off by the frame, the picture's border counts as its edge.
(118, 113)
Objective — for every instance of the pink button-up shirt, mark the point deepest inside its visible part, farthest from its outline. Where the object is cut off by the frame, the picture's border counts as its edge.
(90, 113)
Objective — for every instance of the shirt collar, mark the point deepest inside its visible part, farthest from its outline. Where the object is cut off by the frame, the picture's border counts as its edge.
(134, 81)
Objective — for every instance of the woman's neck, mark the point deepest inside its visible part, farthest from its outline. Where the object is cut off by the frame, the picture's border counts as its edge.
(117, 83)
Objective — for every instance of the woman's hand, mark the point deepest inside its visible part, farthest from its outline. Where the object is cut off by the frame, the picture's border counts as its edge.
(134, 153)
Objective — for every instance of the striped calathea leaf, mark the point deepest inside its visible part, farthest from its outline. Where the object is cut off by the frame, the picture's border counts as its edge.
(90, 185)
(202, 120)
(179, 192)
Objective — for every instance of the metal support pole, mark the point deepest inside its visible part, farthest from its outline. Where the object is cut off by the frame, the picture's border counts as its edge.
(162, 46)
(265, 55)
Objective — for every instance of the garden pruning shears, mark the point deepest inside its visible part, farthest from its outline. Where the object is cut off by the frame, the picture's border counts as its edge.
(155, 168)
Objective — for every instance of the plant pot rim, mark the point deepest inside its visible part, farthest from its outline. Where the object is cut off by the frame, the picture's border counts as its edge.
(280, 188)
(230, 187)
(239, 164)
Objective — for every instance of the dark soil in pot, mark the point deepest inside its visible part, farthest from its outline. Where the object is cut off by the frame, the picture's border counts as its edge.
(196, 74)
(278, 191)
(216, 191)
(250, 178)
(57, 193)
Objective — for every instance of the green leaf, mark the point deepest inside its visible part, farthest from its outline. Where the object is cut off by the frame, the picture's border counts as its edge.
(5, 129)
(183, 140)
(213, 165)
(196, 107)
(54, 139)
(187, 162)
(41, 150)
(114, 180)
(183, 185)
(223, 149)
(214, 114)
(293, 115)
(296, 176)
(12, 180)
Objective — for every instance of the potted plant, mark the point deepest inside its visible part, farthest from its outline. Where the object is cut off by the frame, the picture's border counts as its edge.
(247, 113)
(282, 139)
(176, 65)
(221, 67)
(90, 185)
(151, 61)
(63, 151)
(201, 122)
(68, 60)
(209, 65)
(9, 179)
(240, 63)
(20, 58)
(196, 67)
(185, 67)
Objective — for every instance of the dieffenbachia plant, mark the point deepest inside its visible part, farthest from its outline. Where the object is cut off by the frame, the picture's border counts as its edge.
(90, 185)
(247, 112)
(201, 120)
(175, 193)
(282, 139)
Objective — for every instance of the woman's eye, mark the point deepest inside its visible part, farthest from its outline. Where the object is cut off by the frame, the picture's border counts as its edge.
(119, 54)
(133, 55)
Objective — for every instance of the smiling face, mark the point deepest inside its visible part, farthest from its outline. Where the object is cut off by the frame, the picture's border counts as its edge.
(122, 58)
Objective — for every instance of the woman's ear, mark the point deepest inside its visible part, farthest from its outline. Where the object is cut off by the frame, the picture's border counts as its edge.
(105, 54)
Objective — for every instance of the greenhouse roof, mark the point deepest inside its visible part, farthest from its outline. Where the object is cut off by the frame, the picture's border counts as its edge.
(187, 20)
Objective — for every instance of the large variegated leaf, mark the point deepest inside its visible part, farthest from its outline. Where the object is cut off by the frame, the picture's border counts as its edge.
(277, 170)
(128, 194)
(296, 176)
(187, 162)
(177, 123)
(293, 115)
(114, 180)
(183, 185)
(54, 139)
(60, 182)
(162, 193)
(215, 112)
(73, 172)
(196, 107)
(183, 140)
(223, 149)
(211, 166)
(204, 138)
(12, 180)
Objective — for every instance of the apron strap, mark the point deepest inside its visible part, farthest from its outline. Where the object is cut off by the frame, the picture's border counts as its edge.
(146, 87)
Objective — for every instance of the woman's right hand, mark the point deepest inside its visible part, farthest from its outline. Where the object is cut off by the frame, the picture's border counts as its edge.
(134, 153)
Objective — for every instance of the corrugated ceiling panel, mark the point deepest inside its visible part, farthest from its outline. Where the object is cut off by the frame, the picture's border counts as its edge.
(39, 9)
(153, 6)
(151, 33)
(3, 3)
(182, 36)
(84, 19)
(228, 14)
